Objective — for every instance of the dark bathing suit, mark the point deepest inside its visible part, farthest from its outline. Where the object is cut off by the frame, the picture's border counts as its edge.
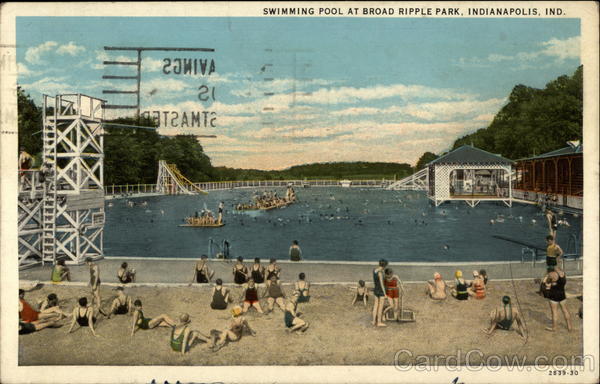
(26, 328)
(258, 276)
(218, 301)
(506, 322)
(461, 291)
(275, 291)
(251, 295)
(122, 309)
(143, 322)
(557, 291)
(200, 276)
(271, 274)
(240, 277)
(124, 278)
(288, 318)
(83, 321)
(378, 290)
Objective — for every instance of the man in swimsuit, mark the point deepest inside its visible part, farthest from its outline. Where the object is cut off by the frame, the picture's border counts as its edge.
(220, 217)
(29, 315)
(233, 332)
(182, 337)
(220, 296)
(126, 275)
(379, 292)
(38, 325)
(60, 272)
(291, 318)
(295, 251)
(274, 294)
(436, 288)
(504, 317)
(144, 323)
(553, 252)
(250, 297)
(555, 282)
(121, 305)
(94, 281)
(552, 223)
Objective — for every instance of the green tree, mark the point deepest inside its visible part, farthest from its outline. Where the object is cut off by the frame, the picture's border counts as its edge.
(29, 123)
(424, 159)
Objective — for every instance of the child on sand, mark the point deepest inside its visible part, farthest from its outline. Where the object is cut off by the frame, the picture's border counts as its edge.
(361, 293)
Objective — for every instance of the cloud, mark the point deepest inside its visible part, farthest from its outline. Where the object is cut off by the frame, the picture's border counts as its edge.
(50, 85)
(558, 49)
(33, 54)
(25, 71)
(70, 49)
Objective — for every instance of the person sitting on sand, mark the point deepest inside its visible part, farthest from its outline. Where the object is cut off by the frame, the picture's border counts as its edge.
(460, 287)
(202, 274)
(233, 332)
(295, 251)
(182, 337)
(240, 271)
(126, 275)
(504, 317)
(250, 297)
(29, 315)
(38, 325)
(257, 273)
(84, 316)
(291, 318)
(273, 270)
(477, 289)
(121, 305)
(361, 294)
(302, 288)
(484, 276)
(436, 288)
(220, 296)
(60, 272)
(51, 301)
(555, 282)
(274, 294)
(144, 323)
(379, 292)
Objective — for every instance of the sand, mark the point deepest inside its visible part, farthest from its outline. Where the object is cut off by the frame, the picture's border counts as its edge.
(339, 334)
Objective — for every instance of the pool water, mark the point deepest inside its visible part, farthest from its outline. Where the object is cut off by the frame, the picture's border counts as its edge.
(334, 224)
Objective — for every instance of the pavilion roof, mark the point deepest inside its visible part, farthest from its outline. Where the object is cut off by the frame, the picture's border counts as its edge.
(570, 150)
(470, 155)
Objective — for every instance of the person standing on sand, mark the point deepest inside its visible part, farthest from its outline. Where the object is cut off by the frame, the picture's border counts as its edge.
(436, 288)
(555, 282)
(504, 317)
(94, 281)
(393, 285)
(553, 252)
(295, 251)
(379, 292)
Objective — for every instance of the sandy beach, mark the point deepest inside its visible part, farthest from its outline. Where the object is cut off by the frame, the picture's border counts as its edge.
(339, 333)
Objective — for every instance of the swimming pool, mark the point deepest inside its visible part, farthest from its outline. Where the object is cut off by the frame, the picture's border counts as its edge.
(334, 224)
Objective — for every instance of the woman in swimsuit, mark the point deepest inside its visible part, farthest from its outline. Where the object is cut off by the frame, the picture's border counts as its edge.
(436, 288)
(220, 296)
(302, 288)
(233, 332)
(379, 293)
(361, 293)
(126, 275)
(182, 337)
(250, 297)
(38, 325)
(84, 315)
(291, 318)
(274, 294)
(51, 301)
(460, 287)
(141, 322)
(504, 317)
(202, 274)
(29, 315)
(257, 272)
(121, 305)
(273, 269)
(94, 281)
(552, 223)
(240, 271)
(60, 272)
(477, 289)
(555, 282)
(393, 286)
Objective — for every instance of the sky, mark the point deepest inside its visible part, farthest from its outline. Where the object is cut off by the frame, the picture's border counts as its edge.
(291, 91)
